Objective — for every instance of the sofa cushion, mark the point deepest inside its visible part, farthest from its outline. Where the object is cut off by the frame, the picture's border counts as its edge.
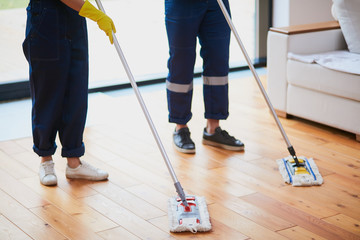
(328, 109)
(347, 13)
(318, 78)
(341, 60)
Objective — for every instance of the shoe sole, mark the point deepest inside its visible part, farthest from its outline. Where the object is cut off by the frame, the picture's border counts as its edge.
(189, 151)
(48, 184)
(223, 146)
(87, 178)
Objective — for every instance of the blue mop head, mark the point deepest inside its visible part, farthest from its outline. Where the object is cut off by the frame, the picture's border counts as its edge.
(307, 175)
(193, 218)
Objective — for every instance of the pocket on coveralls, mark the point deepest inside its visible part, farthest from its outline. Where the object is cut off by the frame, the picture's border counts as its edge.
(43, 38)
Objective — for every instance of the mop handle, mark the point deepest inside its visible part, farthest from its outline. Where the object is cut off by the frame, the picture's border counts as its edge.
(146, 113)
(251, 66)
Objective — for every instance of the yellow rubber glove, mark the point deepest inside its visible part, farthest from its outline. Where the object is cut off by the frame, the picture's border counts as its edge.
(104, 22)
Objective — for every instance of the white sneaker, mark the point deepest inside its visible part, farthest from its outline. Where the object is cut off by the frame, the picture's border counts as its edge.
(86, 171)
(47, 173)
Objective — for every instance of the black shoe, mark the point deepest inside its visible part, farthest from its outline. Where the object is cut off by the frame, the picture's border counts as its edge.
(183, 142)
(223, 140)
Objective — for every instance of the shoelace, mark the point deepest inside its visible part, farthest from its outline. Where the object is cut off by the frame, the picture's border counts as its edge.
(227, 136)
(185, 136)
(88, 166)
(49, 168)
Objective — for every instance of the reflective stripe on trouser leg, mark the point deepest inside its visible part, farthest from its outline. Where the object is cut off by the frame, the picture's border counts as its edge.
(214, 37)
(179, 84)
(216, 99)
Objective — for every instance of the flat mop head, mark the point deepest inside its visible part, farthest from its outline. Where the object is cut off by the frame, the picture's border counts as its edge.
(193, 218)
(307, 174)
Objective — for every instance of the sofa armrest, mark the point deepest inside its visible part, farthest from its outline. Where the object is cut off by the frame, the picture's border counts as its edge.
(313, 38)
(300, 39)
(306, 28)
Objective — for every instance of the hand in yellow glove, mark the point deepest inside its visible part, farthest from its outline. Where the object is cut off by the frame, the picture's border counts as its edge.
(104, 22)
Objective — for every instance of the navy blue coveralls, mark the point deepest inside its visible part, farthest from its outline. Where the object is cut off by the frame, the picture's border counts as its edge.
(56, 47)
(185, 21)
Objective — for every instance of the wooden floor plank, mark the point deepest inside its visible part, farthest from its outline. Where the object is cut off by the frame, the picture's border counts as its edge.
(331, 161)
(304, 204)
(131, 202)
(64, 223)
(140, 174)
(219, 231)
(24, 219)
(29, 160)
(341, 202)
(300, 233)
(344, 182)
(346, 150)
(325, 132)
(117, 233)
(257, 215)
(345, 222)
(187, 168)
(9, 231)
(125, 218)
(150, 195)
(241, 224)
(10, 147)
(71, 206)
(299, 218)
(117, 177)
(75, 188)
(19, 191)
(13, 167)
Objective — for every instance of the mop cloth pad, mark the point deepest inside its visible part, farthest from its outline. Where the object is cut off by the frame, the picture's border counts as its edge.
(194, 218)
(311, 176)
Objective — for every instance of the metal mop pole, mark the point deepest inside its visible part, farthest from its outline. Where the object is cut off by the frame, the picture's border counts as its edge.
(252, 68)
(177, 184)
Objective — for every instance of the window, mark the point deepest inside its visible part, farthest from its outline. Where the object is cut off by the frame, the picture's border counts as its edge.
(142, 36)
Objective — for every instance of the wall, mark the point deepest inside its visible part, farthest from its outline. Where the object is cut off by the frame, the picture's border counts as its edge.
(295, 12)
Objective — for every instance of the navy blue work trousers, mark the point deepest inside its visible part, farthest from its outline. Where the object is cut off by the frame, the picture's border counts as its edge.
(187, 20)
(56, 47)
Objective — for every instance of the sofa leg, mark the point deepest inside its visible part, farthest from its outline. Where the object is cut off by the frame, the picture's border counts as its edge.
(282, 114)
(358, 137)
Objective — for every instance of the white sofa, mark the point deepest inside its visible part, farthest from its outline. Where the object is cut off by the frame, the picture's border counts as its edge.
(309, 90)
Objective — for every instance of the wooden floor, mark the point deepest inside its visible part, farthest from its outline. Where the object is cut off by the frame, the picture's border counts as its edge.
(246, 196)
